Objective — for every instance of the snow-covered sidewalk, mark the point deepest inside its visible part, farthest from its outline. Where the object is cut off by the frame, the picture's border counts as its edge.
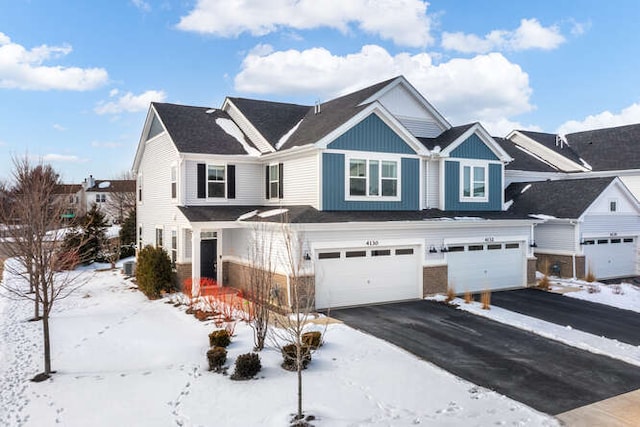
(124, 360)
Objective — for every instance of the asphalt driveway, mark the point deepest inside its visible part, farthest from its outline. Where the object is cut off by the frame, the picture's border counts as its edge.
(547, 375)
(597, 319)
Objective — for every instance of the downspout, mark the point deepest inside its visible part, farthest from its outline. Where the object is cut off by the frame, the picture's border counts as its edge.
(575, 248)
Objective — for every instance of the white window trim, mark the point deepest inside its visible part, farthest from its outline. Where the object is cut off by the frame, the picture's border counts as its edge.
(173, 250)
(613, 200)
(163, 243)
(139, 189)
(276, 181)
(173, 178)
(474, 164)
(379, 157)
(223, 165)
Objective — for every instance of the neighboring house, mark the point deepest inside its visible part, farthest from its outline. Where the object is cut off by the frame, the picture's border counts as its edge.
(390, 201)
(114, 197)
(72, 196)
(591, 224)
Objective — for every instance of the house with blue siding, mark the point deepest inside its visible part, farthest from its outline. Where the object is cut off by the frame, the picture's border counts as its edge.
(386, 199)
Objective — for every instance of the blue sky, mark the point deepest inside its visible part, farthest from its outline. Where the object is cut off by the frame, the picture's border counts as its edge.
(76, 77)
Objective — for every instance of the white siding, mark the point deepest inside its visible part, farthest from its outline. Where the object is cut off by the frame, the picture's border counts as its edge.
(433, 185)
(411, 113)
(624, 204)
(300, 182)
(633, 184)
(554, 237)
(604, 225)
(249, 184)
(157, 209)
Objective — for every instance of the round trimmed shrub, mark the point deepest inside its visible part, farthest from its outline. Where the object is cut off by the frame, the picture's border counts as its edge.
(219, 338)
(312, 339)
(290, 356)
(247, 366)
(153, 272)
(217, 357)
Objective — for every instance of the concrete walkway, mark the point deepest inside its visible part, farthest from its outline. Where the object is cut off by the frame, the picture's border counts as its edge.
(618, 411)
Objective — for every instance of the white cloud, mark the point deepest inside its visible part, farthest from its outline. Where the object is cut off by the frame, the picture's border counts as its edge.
(129, 102)
(503, 126)
(529, 35)
(22, 69)
(405, 22)
(579, 28)
(485, 88)
(105, 144)
(63, 158)
(629, 115)
(142, 5)
(59, 128)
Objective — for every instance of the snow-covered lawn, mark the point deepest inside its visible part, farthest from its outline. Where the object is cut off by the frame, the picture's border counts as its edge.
(124, 360)
(623, 295)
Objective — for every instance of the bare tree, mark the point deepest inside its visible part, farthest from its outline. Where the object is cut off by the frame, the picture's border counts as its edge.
(260, 276)
(34, 229)
(289, 329)
(122, 198)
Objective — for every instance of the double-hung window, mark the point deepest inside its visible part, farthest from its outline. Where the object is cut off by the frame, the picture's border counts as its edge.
(159, 237)
(474, 182)
(174, 182)
(274, 181)
(373, 178)
(216, 183)
(174, 247)
(101, 198)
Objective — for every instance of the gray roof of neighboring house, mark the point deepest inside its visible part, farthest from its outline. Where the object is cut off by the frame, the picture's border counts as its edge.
(272, 119)
(445, 138)
(310, 215)
(609, 149)
(567, 198)
(113, 186)
(523, 160)
(193, 130)
(550, 141)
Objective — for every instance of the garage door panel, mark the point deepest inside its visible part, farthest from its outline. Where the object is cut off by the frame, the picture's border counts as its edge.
(479, 267)
(354, 279)
(611, 257)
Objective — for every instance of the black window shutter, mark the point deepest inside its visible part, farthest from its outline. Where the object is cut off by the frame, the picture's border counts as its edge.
(231, 181)
(266, 189)
(202, 181)
(280, 180)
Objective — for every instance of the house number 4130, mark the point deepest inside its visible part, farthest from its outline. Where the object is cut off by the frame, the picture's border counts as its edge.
(372, 243)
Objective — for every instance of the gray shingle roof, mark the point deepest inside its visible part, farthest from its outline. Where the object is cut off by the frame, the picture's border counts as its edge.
(271, 119)
(568, 198)
(549, 140)
(310, 215)
(523, 160)
(113, 186)
(445, 138)
(609, 149)
(193, 130)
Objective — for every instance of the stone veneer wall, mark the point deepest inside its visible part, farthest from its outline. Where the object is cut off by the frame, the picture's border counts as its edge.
(545, 261)
(237, 276)
(435, 280)
(531, 271)
(183, 272)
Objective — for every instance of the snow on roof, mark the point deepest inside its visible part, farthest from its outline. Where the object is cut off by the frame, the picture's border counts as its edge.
(542, 216)
(585, 164)
(283, 140)
(232, 129)
(525, 188)
(104, 184)
(507, 205)
(272, 212)
(247, 215)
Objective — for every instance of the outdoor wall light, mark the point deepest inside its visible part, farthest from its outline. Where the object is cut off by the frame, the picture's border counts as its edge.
(444, 249)
(433, 250)
(533, 245)
(307, 257)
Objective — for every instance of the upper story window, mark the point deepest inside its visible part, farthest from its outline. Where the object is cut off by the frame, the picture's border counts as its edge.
(139, 188)
(613, 205)
(174, 182)
(373, 178)
(275, 181)
(474, 183)
(216, 182)
(101, 198)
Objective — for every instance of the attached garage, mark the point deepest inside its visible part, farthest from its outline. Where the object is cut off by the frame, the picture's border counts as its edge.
(356, 276)
(609, 257)
(475, 267)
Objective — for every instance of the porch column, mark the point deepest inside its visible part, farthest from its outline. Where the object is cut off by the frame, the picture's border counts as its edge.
(195, 259)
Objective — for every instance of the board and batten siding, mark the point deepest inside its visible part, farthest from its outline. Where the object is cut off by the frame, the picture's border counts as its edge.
(249, 184)
(373, 135)
(473, 148)
(300, 182)
(334, 182)
(411, 113)
(554, 237)
(157, 207)
(452, 189)
(432, 184)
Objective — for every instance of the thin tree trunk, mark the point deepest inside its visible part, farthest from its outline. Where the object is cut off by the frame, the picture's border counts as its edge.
(299, 386)
(47, 342)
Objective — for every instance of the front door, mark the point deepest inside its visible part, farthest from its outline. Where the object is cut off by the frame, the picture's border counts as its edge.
(209, 259)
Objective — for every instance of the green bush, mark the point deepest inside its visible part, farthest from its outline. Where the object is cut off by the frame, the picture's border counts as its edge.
(219, 338)
(312, 339)
(290, 356)
(153, 272)
(217, 356)
(247, 366)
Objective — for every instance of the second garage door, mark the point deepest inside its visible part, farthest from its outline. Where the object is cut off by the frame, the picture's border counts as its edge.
(346, 277)
(486, 266)
(611, 257)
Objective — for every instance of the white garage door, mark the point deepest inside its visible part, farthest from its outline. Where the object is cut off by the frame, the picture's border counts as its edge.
(611, 257)
(347, 277)
(486, 266)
